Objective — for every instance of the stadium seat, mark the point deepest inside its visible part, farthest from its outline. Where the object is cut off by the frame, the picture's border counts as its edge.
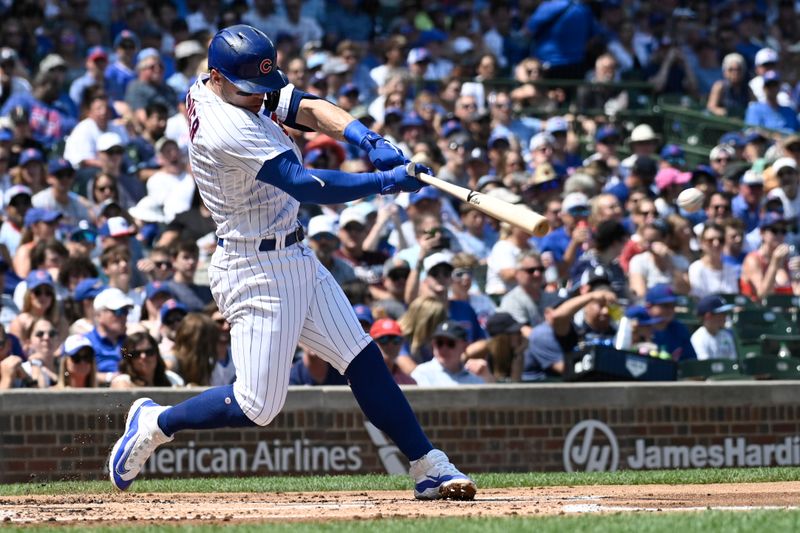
(739, 300)
(781, 346)
(750, 324)
(772, 367)
(717, 369)
(782, 301)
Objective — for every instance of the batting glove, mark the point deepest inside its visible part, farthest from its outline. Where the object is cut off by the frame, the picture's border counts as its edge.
(383, 154)
(397, 179)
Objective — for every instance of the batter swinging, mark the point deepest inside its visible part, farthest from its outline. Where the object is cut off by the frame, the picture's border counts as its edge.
(266, 282)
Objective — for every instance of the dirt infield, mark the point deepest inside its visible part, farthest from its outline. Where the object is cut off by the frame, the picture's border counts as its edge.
(534, 501)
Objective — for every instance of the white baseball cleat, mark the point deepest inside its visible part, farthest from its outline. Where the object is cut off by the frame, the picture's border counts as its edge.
(435, 477)
(142, 436)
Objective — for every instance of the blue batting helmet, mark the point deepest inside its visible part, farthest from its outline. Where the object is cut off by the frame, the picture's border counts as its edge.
(246, 57)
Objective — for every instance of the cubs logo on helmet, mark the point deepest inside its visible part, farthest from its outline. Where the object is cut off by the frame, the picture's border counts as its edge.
(246, 57)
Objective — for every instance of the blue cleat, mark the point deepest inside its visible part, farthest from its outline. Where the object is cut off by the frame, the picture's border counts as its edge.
(435, 478)
(142, 436)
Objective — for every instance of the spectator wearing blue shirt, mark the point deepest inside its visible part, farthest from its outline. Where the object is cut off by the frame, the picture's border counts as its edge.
(120, 73)
(745, 205)
(96, 64)
(111, 308)
(770, 114)
(566, 243)
(670, 334)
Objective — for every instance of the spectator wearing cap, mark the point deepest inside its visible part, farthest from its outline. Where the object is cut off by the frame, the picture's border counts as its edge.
(77, 368)
(785, 169)
(720, 157)
(364, 315)
(476, 238)
(121, 72)
(84, 294)
(184, 260)
(31, 170)
(81, 146)
(353, 230)
(504, 348)
(455, 148)
(766, 60)
(188, 55)
(562, 329)
(642, 330)
(156, 294)
(12, 374)
(39, 302)
(606, 139)
(322, 239)
(446, 368)
(40, 225)
(111, 156)
(522, 302)
(171, 315)
(59, 196)
(657, 263)
(389, 337)
(95, 65)
(464, 289)
(149, 86)
(712, 340)
(412, 130)
(564, 245)
(390, 295)
(643, 142)
(608, 240)
(17, 201)
(745, 205)
(312, 370)
(765, 270)
(172, 186)
(10, 83)
(670, 334)
(730, 96)
(710, 274)
(52, 123)
(347, 97)
(770, 113)
(670, 182)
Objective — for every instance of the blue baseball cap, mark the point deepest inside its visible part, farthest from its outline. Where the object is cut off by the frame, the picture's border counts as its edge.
(451, 126)
(412, 120)
(497, 136)
(752, 136)
(349, 88)
(88, 288)
(425, 193)
(606, 133)
(672, 152)
(661, 293)
(557, 125)
(126, 35)
(40, 214)
(432, 36)
(713, 303)
(30, 154)
(59, 165)
(771, 76)
(770, 219)
(37, 278)
(157, 287)
(393, 111)
(172, 305)
(6, 135)
(642, 317)
(85, 231)
(363, 313)
(732, 138)
(418, 55)
(703, 169)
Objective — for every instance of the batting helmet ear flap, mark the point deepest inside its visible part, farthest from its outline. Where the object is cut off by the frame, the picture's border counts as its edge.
(246, 57)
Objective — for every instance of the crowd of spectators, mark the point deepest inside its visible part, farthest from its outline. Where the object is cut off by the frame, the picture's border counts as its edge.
(105, 239)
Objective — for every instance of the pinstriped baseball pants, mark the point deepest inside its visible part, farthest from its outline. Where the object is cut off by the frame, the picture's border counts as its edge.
(273, 300)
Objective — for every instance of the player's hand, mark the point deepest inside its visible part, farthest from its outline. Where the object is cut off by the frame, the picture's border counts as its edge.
(397, 179)
(383, 154)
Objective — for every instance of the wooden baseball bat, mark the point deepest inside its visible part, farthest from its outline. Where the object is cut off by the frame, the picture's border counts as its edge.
(514, 214)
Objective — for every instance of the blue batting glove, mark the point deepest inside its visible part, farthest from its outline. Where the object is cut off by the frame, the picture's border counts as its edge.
(397, 179)
(383, 154)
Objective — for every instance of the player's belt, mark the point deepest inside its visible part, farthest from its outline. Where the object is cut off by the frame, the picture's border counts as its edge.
(268, 245)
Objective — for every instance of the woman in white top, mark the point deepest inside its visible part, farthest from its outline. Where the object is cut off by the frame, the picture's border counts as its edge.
(657, 263)
(709, 275)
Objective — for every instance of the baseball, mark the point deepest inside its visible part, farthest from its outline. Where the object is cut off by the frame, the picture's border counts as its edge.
(691, 200)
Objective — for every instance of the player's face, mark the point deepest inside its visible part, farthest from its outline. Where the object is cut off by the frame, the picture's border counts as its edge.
(234, 96)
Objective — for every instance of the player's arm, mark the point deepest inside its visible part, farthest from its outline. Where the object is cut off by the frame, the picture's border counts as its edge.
(333, 186)
(305, 111)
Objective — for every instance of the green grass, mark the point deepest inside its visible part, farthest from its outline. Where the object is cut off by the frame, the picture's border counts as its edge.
(385, 482)
(729, 522)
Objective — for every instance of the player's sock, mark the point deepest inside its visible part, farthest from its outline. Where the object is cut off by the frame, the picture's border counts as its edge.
(214, 408)
(384, 403)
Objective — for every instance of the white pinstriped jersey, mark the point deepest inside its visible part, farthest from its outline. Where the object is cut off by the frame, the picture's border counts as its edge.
(227, 149)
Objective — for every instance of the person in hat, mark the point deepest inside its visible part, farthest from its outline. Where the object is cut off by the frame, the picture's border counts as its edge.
(767, 60)
(77, 367)
(607, 138)
(39, 301)
(446, 368)
(721, 156)
(389, 337)
(504, 348)
(110, 154)
(149, 86)
(390, 296)
(642, 329)
(188, 56)
(770, 113)
(670, 334)
(156, 294)
(746, 204)
(765, 270)
(17, 201)
(84, 294)
(111, 308)
(712, 340)
(643, 142)
(786, 170)
(31, 170)
(354, 227)
(12, 374)
(95, 65)
(455, 149)
(40, 225)
(121, 72)
(59, 196)
(364, 316)
(657, 263)
(10, 83)
(171, 314)
(81, 146)
(322, 239)
(730, 96)
(565, 244)
(522, 302)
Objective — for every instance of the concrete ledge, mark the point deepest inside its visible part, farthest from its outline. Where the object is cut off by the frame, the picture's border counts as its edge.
(583, 395)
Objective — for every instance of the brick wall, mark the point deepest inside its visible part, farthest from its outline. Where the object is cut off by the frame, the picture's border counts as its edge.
(67, 435)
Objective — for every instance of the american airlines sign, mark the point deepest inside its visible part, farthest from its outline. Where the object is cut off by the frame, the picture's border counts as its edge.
(591, 446)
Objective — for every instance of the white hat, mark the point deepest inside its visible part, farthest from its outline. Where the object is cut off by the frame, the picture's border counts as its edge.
(574, 199)
(541, 139)
(719, 149)
(117, 227)
(113, 299)
(73, 343)
(766, 55)
(462, 45)
(443, 257)
(752, 177)
(784, 162)
(352, 214)
(148, 209)
(50, 62)
(108, 140)
(14, 190)
(643, 133)
(322, 224)
(188, 48)
(505, 195)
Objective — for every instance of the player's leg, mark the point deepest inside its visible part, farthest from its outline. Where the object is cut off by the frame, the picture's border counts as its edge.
(333, 331)
(265, 317)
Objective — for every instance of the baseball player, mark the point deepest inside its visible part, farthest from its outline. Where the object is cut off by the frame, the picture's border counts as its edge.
(267, 283)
